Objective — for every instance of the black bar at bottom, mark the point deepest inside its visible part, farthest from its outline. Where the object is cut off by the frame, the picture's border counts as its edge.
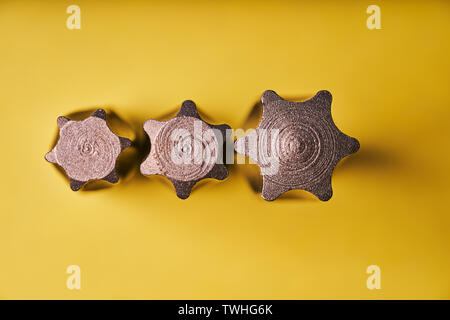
(225, 309)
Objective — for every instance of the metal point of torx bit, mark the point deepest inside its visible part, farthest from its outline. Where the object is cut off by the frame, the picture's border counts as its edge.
(87, 149)
(185, 149)
(296, 145)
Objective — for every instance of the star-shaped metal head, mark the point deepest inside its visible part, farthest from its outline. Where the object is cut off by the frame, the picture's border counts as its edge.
(185, 149)
(296, 145)
(87, 150)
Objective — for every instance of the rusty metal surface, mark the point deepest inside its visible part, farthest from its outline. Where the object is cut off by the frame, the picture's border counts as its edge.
(166, 146)
(87, 150)
(307, 144)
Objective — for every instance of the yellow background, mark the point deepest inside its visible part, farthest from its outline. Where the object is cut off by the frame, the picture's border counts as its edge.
(138, 240)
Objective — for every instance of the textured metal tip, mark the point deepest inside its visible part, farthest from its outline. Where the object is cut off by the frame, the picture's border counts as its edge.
(302, 140)
(87, 150)
(188, 138)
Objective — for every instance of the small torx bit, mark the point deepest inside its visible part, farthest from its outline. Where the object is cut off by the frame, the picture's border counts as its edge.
(87, 150)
